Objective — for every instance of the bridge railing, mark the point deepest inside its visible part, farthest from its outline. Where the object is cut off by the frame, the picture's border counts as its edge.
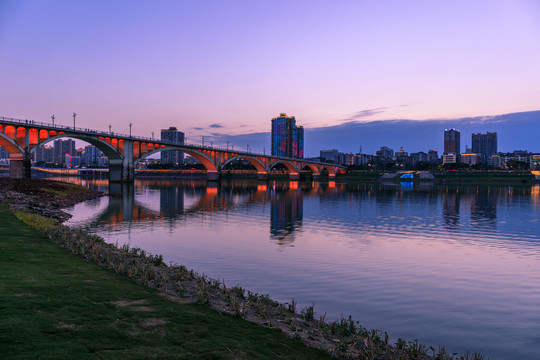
(146, 139)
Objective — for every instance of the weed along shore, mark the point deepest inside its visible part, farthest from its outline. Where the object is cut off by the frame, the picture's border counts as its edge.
(99, 301)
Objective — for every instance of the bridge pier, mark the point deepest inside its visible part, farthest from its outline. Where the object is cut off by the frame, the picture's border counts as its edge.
(262, 176)
(20, 166)
(121, 170)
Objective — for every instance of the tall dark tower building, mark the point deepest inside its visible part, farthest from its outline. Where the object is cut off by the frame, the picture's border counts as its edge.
(171, 156)
(452, 144)
(287, 138)
(485, 144)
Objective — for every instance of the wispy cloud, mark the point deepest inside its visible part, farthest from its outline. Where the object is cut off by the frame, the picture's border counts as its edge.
(365, 113)
(215, 126)
(198, 128)
(369, 112)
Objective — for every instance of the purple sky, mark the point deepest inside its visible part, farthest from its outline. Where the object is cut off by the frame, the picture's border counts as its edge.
(228, 67)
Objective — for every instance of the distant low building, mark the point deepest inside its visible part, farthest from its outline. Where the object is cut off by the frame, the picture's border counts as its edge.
(535, 161)
(495, 161)
(449, 158)
(72, 162)
(471, 158)
(329, 155)
(433, 156)
(420, 156)
(385, 151)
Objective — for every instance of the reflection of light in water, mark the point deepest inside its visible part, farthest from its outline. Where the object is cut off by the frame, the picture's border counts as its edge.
(211, 190)
(535, 194)
(331, 184)
(261, 187)
(293, 185)
(407, 185)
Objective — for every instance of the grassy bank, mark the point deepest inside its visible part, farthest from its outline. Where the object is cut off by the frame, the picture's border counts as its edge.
(55, 305)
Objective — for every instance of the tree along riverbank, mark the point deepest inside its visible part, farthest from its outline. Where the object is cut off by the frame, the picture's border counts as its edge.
(151, 323)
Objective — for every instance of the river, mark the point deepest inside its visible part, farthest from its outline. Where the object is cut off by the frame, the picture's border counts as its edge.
(451, 265)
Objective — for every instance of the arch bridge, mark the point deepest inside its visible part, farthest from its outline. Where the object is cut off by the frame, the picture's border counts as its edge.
(21, 138)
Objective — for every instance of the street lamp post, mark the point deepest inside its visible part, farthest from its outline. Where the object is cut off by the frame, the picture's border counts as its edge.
(74, 116)
(110, 127)
(52, 118)
(203, 141)
(130, 125)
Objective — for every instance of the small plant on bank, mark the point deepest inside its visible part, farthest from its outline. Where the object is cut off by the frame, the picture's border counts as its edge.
(308, 312)
(292, 306)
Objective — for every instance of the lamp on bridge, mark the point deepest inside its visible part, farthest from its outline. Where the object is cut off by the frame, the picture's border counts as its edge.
(74, 116)
(52, 118)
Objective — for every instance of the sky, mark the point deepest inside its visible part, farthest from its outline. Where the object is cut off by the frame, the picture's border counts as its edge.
(224, 69)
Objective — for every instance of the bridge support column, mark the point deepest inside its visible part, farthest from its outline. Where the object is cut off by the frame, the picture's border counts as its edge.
(20, 166)
(121, 170)
(294, 176)
(262, 176)
(315, 177)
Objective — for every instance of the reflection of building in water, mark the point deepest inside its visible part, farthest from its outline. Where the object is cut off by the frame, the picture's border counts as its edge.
(171, 201)
(484, 207)
(286, 215)
(451, 199)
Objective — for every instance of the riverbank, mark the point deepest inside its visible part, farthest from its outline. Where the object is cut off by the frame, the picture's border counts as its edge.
(56, 305)
(343, 337)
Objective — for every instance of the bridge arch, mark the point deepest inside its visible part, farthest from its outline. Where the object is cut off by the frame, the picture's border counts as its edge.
(331, 170)
(8, 144)
(103, 146)
(253, 161)
(289, 165)
(314, 169)
(202, 158)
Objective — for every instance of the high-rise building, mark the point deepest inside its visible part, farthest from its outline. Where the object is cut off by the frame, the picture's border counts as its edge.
(452, 144)
(63, 147)
(287, 138)
(92, 156)
(44, 154)
(176, 137)
(485, 144)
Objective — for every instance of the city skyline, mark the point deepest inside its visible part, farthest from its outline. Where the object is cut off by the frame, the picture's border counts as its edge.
(223, 70)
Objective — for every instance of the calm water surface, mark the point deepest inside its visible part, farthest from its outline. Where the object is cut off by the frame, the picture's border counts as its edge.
(452, 265)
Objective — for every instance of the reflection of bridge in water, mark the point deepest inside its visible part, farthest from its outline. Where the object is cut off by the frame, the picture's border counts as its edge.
(126, 206)
(168, 201)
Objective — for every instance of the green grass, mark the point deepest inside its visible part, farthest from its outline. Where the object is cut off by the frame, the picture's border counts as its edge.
(54, 305)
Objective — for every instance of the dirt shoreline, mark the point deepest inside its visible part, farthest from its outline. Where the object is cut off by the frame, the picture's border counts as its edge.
(343, 338)
(44, 197)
